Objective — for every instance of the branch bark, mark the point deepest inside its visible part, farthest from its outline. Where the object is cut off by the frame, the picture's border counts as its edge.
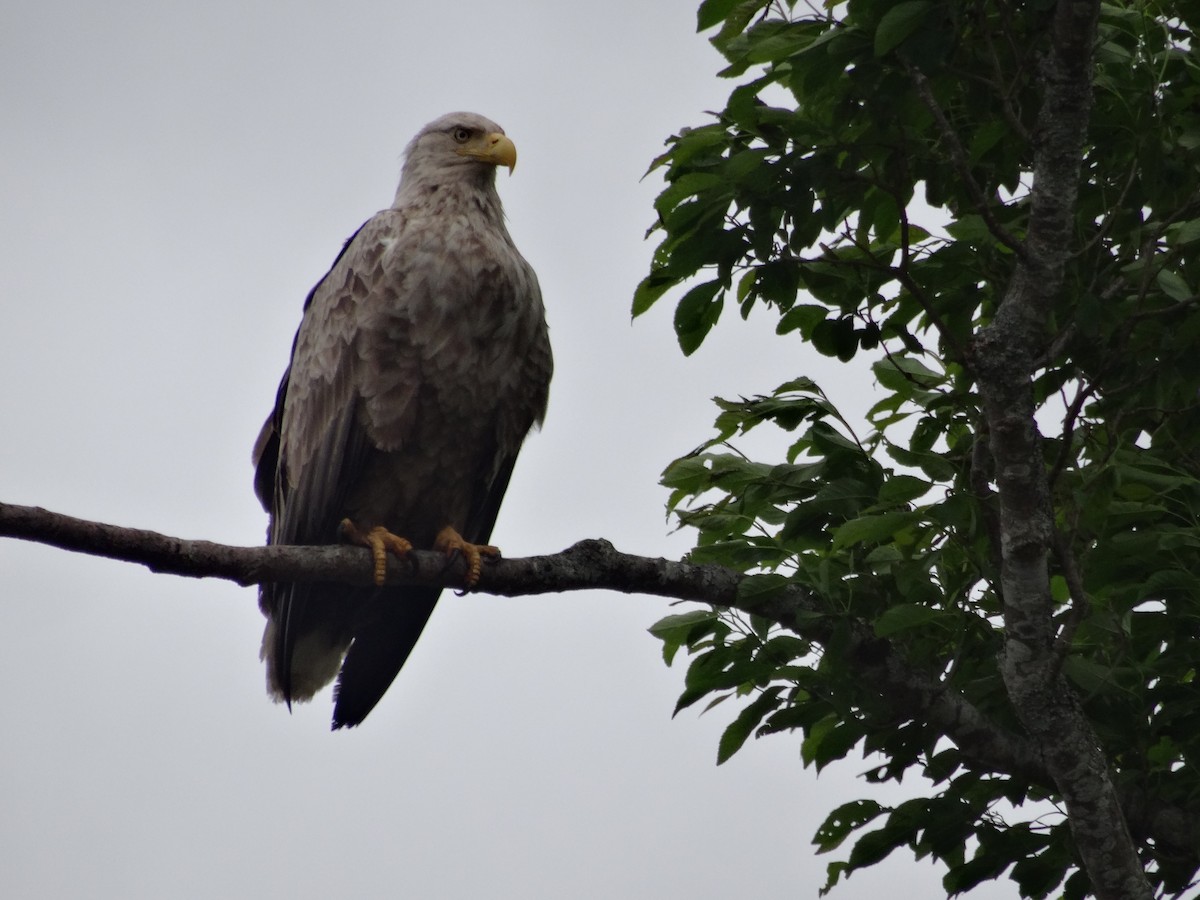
(1005, 356)
(597, 565)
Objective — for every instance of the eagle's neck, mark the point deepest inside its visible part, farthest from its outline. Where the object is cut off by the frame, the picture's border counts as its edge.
(469, 189)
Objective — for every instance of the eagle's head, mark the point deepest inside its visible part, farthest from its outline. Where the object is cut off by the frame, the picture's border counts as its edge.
(458, 147)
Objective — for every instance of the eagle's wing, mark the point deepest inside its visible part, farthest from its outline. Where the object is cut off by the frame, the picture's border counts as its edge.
(266, 447)
(311, 460)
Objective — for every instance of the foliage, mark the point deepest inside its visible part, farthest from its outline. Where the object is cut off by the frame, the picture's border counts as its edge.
(869, 183)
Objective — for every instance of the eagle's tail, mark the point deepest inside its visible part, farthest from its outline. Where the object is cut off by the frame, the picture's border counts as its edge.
(309, 627)
(384, 636)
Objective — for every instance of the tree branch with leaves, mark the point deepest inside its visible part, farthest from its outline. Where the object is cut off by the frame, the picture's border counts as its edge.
(587, 565)
(1002, 200)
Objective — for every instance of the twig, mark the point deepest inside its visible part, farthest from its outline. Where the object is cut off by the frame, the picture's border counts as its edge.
(958, 157)
(1082, 393)
(1080, 605)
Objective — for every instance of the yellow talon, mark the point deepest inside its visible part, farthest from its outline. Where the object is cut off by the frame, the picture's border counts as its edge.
(380, 542)
(450, 541)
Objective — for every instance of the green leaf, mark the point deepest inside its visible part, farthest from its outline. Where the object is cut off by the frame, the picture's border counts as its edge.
(755, 589)
(691, 185)
(984, 866)
(835, 337)
(830, 441)
(907, 376)
(986, 138)
(649, 289)
(875, 846)
(907, 616)
(873, 528)
(1183, 233)
(745, 163)
(713, 12)
(898, 23)
(1092, 677)
(677, 630)
(748, 719)
(696, 314)
(786, 647)
(971, 228)
(1173, 285)
(830, 743)
(1039, 875)
(719, 668)
(842, 821)
(903, 489)
(745, 285)
(932, 464)
(672, 623)
(802, 316)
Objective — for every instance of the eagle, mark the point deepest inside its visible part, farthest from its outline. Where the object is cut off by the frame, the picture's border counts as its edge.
(421, 363)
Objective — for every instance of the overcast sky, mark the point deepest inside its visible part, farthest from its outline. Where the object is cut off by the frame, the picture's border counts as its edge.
(173, 179)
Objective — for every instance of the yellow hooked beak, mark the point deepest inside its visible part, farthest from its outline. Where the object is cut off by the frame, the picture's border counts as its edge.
(494, 148)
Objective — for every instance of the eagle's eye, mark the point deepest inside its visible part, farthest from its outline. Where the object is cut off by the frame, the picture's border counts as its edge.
(461, 135)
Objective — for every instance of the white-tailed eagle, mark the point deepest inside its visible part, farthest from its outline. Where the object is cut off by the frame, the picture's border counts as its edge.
(421, 363)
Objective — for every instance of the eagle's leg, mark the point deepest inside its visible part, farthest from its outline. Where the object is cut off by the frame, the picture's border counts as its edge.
(380, 542)
(449, 541)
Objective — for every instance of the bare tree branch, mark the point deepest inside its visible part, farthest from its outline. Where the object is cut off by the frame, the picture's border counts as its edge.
(586, 565)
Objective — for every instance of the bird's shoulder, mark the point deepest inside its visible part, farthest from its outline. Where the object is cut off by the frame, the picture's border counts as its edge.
(405, 252)
(333, 306)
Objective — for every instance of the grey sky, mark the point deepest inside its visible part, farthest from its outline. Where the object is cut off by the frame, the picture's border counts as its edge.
(174, 177)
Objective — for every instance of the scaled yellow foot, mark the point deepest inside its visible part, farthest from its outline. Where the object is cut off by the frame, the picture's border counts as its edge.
(380, 542)
(450, 541)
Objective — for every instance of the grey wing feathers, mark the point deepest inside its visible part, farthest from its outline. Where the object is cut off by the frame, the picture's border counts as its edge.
(265, 455)
(303, 481)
